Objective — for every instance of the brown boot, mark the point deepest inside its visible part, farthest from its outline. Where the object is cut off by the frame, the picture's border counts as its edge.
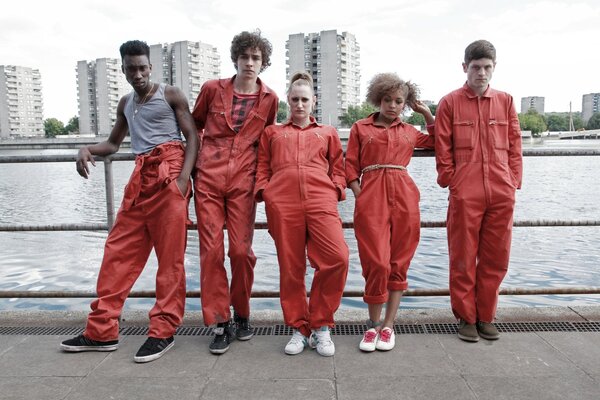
(487, 330)
(467, 332)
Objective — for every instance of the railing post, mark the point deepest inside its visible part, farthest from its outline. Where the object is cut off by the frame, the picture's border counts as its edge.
(110, 192)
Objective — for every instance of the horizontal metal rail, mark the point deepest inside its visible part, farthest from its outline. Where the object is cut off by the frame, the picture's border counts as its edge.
(263, 225)
(267, 294)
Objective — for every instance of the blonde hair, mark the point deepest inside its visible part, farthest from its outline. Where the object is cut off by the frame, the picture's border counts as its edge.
(301, 78)
(388, 82)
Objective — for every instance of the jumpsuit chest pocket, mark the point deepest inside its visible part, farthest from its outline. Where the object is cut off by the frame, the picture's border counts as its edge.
(499, 133)
(464, 132)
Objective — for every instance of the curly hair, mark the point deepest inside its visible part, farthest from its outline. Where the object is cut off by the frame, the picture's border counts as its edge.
(386, 83)
(301, 78)
(134, 48)
(251, 40)
(480, 49)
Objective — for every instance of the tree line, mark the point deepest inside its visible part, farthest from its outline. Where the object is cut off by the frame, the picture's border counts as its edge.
(53, 127)
(529, 121)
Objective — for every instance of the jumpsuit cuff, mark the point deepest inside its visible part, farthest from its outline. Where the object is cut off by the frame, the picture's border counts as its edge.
(379, 299)
(397, 285)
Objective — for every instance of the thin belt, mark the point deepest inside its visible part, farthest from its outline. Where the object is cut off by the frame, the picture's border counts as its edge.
(380, 166)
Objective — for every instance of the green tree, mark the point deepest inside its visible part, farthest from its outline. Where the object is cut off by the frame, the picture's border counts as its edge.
(578, 122)
(594, 121)
(532, 121)
(355, 113)
(53, 127)
(73, 125)
(557, 122)
(282, 111)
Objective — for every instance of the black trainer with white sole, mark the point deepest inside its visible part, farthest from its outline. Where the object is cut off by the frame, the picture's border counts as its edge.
(153, 348)
(81, 343)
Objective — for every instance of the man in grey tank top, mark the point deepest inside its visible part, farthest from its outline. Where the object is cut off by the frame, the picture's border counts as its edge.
(154, 212)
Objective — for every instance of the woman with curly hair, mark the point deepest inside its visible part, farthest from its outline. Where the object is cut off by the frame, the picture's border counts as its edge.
(386, 213)
(300, 176)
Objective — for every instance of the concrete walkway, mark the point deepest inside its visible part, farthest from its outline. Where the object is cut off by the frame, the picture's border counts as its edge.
(539, 364)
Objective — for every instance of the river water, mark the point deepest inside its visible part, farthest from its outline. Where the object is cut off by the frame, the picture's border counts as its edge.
(554, 188)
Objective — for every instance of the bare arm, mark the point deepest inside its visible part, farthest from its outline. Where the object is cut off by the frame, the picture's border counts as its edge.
(109, 146)
(179, 103)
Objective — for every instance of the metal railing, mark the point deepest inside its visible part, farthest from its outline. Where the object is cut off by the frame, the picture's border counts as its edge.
(110, 217)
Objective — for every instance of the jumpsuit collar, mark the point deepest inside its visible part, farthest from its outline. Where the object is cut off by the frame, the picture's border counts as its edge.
(313, 123)
(372, 118)
(471, 94)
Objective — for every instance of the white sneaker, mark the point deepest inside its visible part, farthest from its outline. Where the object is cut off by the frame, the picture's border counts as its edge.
(369, 340)
(296, 344)
(321, 340)
(387, 339)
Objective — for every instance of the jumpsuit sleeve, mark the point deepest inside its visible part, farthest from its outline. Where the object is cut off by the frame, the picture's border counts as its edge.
(272, 118)
(200, 111)
(443, 144)
(263, 168)
(515, 151)
(352, 165)
(336, 164)
(426, 141)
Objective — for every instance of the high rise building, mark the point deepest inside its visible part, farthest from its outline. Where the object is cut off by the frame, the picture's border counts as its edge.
(100, 86)
(333, 60)
(186, 65)
(535, 102)
(590, 105)
(21, 104)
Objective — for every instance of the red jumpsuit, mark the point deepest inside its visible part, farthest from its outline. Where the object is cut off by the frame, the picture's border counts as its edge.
(154, 213)
(386, 213)
(478, 155)
(301, 173)
(223, 196)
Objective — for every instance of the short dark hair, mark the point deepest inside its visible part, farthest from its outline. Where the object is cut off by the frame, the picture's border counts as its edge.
(480, 49)
(134, 48)
(387, 83)
(251, 40)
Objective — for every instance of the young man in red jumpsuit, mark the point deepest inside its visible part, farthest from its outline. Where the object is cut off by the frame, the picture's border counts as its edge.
(478, 156)
(230, 116)
(154, 212)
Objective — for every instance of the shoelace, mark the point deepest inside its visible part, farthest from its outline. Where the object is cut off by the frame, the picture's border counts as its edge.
(370, 336)
(385, 335)
(297, 339)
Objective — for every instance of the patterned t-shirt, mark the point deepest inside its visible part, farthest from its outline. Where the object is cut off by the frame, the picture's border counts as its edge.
(242, 104)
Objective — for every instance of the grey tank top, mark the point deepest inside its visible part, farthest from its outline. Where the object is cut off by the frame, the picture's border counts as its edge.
(153, 124)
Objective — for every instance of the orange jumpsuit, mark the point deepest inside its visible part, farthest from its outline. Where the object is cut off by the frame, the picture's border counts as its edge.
(478, 155)
(386, 213)
(153, 213)
(223, 195)
(301, 174)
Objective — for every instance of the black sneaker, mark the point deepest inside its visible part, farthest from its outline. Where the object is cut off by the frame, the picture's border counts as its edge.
(81, 343)
(243, 329)
(153, 348)
(224, 334)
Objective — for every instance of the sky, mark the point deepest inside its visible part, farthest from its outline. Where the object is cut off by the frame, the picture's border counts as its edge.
(544, 48)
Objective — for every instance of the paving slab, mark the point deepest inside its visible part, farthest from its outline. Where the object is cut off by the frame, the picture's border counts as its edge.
(581, 348)
(514, 354)
(270, 389)
(36, 388)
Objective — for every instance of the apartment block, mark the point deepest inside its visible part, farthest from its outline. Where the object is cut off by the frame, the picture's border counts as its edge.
(333, 60)
(185, 64)
(21, 103)
(535, 102)
(590, 105)
(100, 86)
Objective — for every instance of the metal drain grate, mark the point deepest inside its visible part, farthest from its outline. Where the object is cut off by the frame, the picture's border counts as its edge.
(339, 330)
(535, 327)
(587, 326)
